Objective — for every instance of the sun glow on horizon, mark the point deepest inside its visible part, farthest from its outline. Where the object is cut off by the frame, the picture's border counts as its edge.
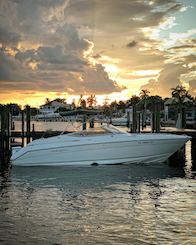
(36, 99)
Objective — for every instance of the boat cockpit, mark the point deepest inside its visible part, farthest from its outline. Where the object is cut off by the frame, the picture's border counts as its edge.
(102, 130)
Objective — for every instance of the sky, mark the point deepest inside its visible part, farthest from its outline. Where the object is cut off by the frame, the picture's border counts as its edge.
(113, 48)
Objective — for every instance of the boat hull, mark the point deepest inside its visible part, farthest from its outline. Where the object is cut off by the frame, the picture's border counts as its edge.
(138, 151)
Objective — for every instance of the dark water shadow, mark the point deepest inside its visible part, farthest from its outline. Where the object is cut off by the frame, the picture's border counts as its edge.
(91, 176)
(193, 154)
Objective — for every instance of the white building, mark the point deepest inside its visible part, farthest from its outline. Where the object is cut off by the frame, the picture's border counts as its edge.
(53, 106)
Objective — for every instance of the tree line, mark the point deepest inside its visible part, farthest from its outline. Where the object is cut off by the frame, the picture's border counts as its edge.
(180, 95)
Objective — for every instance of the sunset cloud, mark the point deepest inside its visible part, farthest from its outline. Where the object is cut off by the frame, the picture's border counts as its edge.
(94, 46)
(192, 87)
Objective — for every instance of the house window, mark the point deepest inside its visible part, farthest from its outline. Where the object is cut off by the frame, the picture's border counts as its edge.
(189, 114)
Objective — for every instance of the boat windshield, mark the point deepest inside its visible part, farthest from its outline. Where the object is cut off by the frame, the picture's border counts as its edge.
(105, 129)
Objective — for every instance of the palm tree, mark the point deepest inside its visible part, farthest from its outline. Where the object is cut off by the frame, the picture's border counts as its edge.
(179, 92)
(106, 106)
(144, 94)
(60, 100)
(91, 100)
(106, 102)
(154, 99)
(73, 104)
(121, 105)
(133, 100)
(114, 105)
(181, 98)
(47, 100)
(82, 102)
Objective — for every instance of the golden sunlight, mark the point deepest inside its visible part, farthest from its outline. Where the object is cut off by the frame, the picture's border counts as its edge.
(30, 97)
(32, 65)
(111, 69)
(145, 72)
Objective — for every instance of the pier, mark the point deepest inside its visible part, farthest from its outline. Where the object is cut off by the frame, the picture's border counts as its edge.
(172, 130)
(39, 134)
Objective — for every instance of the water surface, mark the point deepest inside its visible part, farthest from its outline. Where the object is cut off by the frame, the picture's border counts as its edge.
(135, 204)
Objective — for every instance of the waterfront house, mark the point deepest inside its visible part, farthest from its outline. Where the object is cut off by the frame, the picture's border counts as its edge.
(191, 117)
(171, 114)
(53, 106)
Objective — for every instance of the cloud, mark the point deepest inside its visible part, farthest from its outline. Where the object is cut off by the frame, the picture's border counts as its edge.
(73, 42)
(48, 51)
(10, 69)
(55, 41)
(55, 71)
(192, 87)
(151, 86)
(52, 58)
(175, 7)
(169, 77)
(182, 47)
(131, 44)
(97, 80)
(163, 2)
(8, 37)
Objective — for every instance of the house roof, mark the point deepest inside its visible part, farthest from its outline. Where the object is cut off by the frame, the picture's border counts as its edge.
(54, 102)
(171, 101)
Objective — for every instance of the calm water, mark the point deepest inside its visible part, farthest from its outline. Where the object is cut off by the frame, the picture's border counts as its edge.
(135, 204)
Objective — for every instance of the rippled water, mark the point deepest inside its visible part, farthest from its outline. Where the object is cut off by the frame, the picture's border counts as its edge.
(135, 204)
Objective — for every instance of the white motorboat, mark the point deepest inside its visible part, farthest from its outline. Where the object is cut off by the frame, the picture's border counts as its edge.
(104, 145)
(115, 121)
(120, 121)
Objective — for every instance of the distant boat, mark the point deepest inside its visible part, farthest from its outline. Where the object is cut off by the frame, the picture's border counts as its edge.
(115, 121)
(104, 145)
(120, 121)
(48, 116)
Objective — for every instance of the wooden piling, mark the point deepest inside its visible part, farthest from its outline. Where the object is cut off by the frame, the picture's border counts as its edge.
(8, 133)
(134, 123)
(183, 118)
(178, 158)
(153, 121)
(13, 125)
(128, 119)
(143, 120)
(193, 154)
(84, 123)
(22, 133)
(91, 123)
(5, 146)
(138, 122)
(157, 119)
(33, 132)
(28, 123)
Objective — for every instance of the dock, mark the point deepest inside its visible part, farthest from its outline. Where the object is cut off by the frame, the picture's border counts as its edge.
(173, 130)
(9, 137)
(45, 134)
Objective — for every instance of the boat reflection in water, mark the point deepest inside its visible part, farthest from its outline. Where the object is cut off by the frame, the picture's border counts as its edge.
(120, 204)
(104, 145)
